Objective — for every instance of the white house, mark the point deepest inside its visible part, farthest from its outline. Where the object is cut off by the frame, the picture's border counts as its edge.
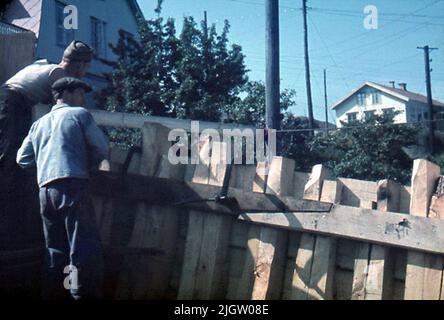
(98, 24)
(371, 98)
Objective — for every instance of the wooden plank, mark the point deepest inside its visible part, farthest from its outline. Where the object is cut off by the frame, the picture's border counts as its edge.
(388, 195)
(404, 201)
(343, 284)
(424, 178)
(218, 163)
(162, 191)
(205, 267)
(302, 271)
(315, 260)
(300, 180)
(155, 145)
(356, 192)
(331, 191)
(424, 276)
(144, 276)
(243, 177)
(373, 272)
(379, 284)
(204, 270)
(424, 271)
(313, 188)
(323, 264)
(294, 239)
(240, 283)
(260, 177)
(392, 229)
(269, 264)
(212, 271)
(202, 170)
(360, 271)
(437, 204)
(264, 267)
(280, 178)
(192, 254)
(271, 250)
(322, 269)
(132, 120)
(247, 279)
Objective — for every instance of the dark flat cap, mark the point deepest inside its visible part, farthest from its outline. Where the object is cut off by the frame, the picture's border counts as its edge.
(78, 51)
(70, 83)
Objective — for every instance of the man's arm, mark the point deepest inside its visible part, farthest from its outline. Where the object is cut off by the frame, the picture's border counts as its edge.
(25, 155)
(95, 139)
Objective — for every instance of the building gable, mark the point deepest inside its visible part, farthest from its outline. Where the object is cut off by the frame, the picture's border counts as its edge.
(25, 14)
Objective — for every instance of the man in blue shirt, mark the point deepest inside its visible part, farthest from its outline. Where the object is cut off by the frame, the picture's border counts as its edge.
(65, 145)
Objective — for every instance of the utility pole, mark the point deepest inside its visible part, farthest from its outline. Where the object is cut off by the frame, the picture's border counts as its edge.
(272, 64)
(431, 113)
(272, 90)
(307, 69)
(325, 101)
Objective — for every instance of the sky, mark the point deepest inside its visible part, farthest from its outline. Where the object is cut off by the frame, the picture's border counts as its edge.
(338, 42)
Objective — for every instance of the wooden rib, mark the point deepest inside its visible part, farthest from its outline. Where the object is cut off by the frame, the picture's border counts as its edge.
(424, 271)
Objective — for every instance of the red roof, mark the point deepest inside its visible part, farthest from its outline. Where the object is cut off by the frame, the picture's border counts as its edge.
(413, 96)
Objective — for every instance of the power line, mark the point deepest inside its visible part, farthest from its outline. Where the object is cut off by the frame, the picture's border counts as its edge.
(329, 53)
(395, 21)
(361, 125)
(409, 15)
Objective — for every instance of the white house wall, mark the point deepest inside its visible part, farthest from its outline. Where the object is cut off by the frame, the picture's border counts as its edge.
(386, 102)
(116, 13)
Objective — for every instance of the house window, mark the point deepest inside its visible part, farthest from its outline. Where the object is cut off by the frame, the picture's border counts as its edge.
(368, 115)
(361, 99)
(375, 97)
(63, 36)
(419, 116)
(127, 35)
(388, 111)
(352, 116)
(98, 37)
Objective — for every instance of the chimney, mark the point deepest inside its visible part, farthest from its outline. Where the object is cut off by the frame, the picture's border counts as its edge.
(402, 86)
(392, 83)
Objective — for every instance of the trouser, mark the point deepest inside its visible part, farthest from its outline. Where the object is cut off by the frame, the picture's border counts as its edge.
(72, 241)
(18, 190)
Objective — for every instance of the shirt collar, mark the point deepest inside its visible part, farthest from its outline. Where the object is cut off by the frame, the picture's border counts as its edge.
(59, 106)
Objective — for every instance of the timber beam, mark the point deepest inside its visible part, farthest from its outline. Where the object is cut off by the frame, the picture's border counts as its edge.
(170, 192)
(392, 229)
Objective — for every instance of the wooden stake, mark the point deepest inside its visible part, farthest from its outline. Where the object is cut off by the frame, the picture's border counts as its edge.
(424, 271)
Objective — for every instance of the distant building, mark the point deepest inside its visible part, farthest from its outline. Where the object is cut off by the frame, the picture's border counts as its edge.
(98, 24)
(372, 98)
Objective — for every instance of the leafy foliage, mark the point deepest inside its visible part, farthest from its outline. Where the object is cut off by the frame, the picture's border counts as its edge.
(191, 76)
(251, 108)
(368, 150)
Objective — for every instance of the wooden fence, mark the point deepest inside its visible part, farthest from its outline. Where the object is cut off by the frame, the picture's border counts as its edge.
(377, 240)
(16, 51)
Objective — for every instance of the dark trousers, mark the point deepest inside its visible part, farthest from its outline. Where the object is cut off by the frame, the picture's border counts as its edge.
(18, 190)
(72, 241)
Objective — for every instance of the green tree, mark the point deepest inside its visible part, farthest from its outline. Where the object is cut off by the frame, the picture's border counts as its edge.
(296, 141)
(249, 106)
(192, 76)
(143, 78)
(368, 150)
(210, 75)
